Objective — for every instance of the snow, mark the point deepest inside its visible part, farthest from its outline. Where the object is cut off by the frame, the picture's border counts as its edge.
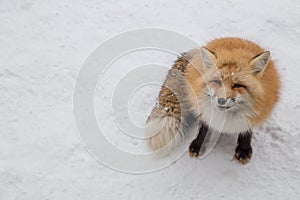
(45, 43)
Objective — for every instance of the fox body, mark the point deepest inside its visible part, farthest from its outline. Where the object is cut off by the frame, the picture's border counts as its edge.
(230, 85)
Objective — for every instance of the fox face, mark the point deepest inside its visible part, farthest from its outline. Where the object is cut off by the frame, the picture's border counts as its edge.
(234, 85)
(230, 88)
(228, 91)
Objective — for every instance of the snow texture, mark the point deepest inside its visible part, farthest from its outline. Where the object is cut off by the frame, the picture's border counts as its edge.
(43, 45)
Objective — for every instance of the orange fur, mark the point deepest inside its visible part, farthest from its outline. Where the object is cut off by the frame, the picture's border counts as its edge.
(233, 59)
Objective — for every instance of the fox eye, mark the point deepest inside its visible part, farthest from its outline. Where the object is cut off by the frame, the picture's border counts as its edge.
(217, 81)
(237, 85)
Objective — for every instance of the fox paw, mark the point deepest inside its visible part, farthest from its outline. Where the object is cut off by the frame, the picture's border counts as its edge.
(243, 155)
(194, 149)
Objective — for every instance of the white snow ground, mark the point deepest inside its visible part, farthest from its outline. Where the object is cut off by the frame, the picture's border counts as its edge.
(42, 47)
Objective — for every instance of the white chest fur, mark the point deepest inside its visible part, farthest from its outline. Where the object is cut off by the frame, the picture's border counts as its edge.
(225, 121)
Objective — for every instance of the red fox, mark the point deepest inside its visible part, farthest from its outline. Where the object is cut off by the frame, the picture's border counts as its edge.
(230, 85)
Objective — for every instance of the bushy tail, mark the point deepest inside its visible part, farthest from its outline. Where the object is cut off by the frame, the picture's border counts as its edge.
(165, 125)
(164, 132)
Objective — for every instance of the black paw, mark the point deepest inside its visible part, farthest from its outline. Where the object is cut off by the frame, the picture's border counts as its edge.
(243, 155)
(194, 149)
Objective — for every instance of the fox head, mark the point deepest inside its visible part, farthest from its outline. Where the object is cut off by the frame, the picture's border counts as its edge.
(229, 80)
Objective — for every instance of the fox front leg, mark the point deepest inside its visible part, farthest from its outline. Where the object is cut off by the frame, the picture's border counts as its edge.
(243, 151)
(195, 149)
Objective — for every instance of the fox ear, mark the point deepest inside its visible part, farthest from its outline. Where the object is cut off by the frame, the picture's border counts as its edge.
(259, 62)
(207, 57)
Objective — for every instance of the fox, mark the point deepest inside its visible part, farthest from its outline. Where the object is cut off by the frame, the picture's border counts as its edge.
(230, 85)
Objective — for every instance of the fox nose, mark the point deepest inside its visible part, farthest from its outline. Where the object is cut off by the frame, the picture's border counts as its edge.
(221, 101)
